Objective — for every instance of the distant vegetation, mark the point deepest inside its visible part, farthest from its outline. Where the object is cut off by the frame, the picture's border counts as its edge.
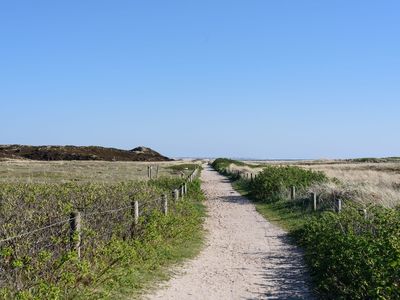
(374, 160)
(28, 171)
(183, 167)
(222, 164)
(351, 255)
(50, 153)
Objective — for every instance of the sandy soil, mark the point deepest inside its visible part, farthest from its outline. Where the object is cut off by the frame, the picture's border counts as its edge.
(245, 256)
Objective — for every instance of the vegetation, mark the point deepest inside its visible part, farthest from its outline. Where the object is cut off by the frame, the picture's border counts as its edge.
(183, 167)
(117, 257)
(273, 182)
(351, 255)
(63, 153)
(27, 171)
(222, 164)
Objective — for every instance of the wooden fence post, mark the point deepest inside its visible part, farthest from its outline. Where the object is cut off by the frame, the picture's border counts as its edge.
(157, 172)
(292, 192)
(135, 213)
(149, 172)
(314, 200)
(164, 199)
(182, 190)
(75, 232)
(135, 216)
(338, 205)
(185, 187)
(175, 195)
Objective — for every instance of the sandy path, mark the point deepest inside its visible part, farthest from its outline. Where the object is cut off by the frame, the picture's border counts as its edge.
(245, 256)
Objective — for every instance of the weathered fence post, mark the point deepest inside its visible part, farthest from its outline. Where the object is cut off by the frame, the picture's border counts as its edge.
(251, 177)
(75, 232)
(135, 216)
(365, 213)
(135, 213)
(292, 192)
(164, 199)
(175, 195)
(157, 172)
(338, 205)
(185, 187)
(314, 200)
(182, 190)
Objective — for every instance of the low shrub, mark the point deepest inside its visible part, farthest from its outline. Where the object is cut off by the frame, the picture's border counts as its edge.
(273, 182)
(222, 164)
(42, 265)
(184, 167)
(354, 257)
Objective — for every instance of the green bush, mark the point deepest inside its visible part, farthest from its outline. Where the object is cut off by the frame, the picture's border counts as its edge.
(184, 167)
(350, 255)
(273, 182)
(221, 164)
(42, 266)
(353, 257)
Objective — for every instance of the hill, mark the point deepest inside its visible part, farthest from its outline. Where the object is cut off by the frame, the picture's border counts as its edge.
(49, 153)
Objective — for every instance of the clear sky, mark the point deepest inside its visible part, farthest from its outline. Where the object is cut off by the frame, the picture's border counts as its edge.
(262, 79)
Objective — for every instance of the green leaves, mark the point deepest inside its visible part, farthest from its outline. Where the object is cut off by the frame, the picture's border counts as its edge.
(273, 182)
(44, 263)
(353, 257)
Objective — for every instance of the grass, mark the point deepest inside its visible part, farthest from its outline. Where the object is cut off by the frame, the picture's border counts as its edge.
(282, 213)
(134, 280)
(25, 171)
(350, 255)
(363, 181)
(118, 268)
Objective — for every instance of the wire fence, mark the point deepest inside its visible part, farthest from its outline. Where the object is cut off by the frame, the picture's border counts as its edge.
(309, 200)
(34, 253)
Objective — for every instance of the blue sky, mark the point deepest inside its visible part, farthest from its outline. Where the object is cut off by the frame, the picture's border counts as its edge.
(262, 79)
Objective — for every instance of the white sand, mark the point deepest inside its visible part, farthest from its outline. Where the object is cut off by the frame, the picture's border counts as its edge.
(245, 256)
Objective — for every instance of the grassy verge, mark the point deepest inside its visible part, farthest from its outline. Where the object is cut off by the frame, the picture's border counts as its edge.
(178, 238)
(172, 241)
(282, 213)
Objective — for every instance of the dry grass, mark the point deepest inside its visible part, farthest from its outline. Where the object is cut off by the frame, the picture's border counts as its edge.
(365, 183)
(25, 171)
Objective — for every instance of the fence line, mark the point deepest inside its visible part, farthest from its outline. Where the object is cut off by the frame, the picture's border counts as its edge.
(182, 188)
(337, 203)
(34, 231)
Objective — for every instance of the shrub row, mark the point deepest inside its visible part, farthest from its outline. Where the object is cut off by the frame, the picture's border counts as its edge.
(43, 266)
(222, 164)
(273, 182)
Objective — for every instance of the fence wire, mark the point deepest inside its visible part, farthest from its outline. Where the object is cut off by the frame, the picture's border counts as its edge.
(43, 248)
